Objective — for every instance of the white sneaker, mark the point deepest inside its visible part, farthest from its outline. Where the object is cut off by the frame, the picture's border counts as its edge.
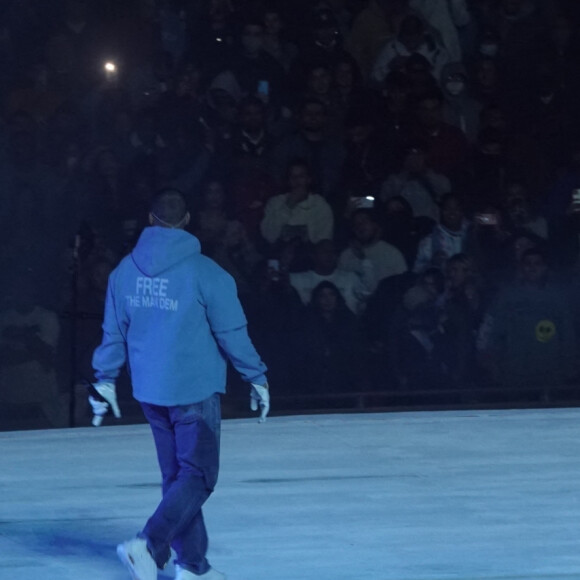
(135, 555)
(211, 574)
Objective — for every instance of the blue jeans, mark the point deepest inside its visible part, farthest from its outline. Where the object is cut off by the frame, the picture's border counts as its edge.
(187, 440)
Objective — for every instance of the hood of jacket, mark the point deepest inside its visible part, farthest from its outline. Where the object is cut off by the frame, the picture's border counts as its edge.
(159, 249)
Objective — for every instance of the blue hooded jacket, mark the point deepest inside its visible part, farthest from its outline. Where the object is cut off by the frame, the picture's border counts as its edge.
(175, 314)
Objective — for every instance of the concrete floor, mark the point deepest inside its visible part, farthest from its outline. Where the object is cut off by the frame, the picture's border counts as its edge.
(489, 495)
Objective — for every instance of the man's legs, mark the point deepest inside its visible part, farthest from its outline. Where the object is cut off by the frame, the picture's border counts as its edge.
(187, 441)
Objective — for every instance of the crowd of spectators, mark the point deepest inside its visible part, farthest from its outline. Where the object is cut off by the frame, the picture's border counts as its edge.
(393, 184)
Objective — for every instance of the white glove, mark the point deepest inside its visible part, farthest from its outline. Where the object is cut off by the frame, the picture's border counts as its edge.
(260, 396)
(107, 397)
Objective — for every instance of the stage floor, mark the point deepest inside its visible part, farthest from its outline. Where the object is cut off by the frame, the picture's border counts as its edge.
(489, 495)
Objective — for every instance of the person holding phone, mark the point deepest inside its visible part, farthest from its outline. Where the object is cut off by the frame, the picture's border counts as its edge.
(449, 237)
(298, 214)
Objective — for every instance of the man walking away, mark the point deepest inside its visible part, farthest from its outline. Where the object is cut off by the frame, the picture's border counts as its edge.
(174, 316)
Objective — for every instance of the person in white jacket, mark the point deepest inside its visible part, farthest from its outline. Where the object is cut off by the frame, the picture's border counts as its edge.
(366, 244)
(354, 287)
(417, 183)
(445, 16)
(298, 213)
(413, 38)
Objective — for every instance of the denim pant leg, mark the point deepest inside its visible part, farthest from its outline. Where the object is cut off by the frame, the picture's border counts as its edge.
(194, 448)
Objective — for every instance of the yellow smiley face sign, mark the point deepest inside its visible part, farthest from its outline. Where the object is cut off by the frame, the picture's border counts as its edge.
(545, 331)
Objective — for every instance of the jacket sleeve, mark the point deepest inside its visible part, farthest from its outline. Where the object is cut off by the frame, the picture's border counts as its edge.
(229, 326)
(111, 355)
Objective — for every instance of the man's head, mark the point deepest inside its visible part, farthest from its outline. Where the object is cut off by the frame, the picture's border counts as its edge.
(451, 212)
(319, 79)
(365, 227)
(273, 23)
(458, 270)
(534, 266)
(325, 27)
(517, 203)
(299, 176)
(326, 298)
(325, 257)
(411, 33)
(430, 109)
(169, 210)
(252, 37)
(313, 116)
(252, 115)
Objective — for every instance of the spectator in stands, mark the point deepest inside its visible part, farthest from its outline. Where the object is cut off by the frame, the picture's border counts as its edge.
(332, 354)
(299, 213)
(222, 99)
(213, 35)
(324, 44)
(366, 154)
(110, 204)
(561, 56)
(419, 185)
(256, 71)
(446, 18)
(222, 237)
(488, 245)
(275, 316)
(348, 85)
(412, 38)
(486, 82)
(448, 238)
(520, 211)
(275, 42)
(366, 244)
(548, 115)
(355, 287)
(29, 335)
(395, 117)
(374, 26)
(462, 313)
(402, 229)
(419, 72)
(180, 101)
(518, 26)
(251, 143)
(319, 86)
(460, 109)
(446, 145)
(415, 345)
(148, 83)
(529, 333)
(324, 154)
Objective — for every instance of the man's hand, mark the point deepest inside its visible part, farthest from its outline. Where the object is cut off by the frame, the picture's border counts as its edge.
(102, 397)
(260, 397)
